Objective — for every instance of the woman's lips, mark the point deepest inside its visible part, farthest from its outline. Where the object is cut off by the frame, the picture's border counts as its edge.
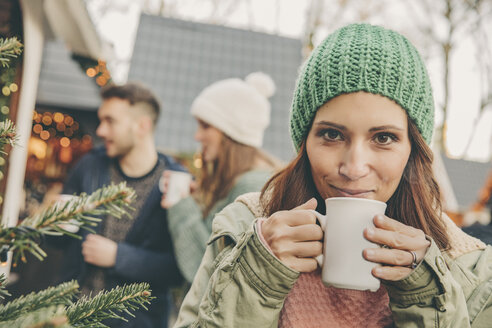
(344, 192)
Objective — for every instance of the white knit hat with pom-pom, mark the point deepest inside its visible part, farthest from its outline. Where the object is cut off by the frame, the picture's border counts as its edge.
(238, 108)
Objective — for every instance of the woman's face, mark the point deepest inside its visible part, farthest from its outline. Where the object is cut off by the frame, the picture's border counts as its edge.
(210, 139)
(358, 146)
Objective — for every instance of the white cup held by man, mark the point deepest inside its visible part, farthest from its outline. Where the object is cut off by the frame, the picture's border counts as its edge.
(342, 262)
(178, 186)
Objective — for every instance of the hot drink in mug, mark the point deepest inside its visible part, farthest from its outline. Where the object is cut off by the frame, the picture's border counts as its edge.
(342, 262)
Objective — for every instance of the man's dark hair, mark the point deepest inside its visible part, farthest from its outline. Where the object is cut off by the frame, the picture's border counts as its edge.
(134, 93)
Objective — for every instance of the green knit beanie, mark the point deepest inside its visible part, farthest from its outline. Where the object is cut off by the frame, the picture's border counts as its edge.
(362, 57)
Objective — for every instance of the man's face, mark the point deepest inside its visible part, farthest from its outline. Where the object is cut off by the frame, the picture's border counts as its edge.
(117, 127)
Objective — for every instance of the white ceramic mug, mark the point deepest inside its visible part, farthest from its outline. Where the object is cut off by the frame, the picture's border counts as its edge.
(178, 186)
(342, 262)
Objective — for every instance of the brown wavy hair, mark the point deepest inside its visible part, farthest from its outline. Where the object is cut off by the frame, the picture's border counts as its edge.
(219, 176)
(416, 201)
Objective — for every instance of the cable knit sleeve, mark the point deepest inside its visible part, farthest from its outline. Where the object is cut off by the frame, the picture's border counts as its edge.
(190, 231)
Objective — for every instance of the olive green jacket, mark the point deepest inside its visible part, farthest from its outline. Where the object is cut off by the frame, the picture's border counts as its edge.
(241, 284)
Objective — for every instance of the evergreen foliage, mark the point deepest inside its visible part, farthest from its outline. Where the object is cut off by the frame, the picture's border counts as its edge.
(62, 294)
(80, 211)
(108, 305)
(10, 48)
(56, 306)
(7, 134)
(48, 317)
(3, 292)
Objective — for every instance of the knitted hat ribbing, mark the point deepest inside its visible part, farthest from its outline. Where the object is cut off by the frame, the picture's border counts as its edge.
(363, 57)
(238, 108)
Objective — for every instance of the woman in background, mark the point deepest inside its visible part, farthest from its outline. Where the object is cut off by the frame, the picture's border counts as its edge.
(232, 116)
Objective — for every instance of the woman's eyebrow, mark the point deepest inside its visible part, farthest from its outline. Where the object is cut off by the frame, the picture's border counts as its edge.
(374, 129)
(386, 127)
(331, 124)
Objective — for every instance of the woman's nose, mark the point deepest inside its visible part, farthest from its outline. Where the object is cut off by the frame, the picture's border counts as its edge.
(355, 162)
(198, 135)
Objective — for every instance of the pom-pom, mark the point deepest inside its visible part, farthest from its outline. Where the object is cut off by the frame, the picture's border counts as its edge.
(261, 82)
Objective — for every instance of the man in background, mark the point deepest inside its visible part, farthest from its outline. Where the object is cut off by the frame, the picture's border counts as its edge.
(481, 214)
(126, 250)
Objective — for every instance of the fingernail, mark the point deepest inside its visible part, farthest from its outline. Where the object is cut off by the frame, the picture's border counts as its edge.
(369, 252)
(378, 271)
(370, 232)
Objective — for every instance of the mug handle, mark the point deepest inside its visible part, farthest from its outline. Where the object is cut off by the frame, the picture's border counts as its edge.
(322, 220)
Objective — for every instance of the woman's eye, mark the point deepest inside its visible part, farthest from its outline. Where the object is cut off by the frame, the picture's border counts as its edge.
(385, 138)
(332, 134)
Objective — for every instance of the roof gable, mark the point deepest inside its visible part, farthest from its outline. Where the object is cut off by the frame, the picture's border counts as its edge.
(467, 179)
(177, 59)
(62, 82)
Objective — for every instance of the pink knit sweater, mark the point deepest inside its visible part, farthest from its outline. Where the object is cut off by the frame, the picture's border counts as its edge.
(311, 304)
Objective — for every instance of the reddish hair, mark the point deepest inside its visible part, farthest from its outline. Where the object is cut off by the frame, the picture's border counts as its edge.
(219, 176)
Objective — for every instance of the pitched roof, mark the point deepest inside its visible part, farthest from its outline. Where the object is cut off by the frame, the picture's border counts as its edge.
(467, 178)
(63, 83)
(177, 59)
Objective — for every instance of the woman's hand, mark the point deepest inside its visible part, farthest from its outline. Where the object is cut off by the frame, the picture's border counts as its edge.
(294, 237)
(400, 241)
(163, 187)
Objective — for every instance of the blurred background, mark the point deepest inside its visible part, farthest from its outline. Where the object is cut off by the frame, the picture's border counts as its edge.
(72, 48)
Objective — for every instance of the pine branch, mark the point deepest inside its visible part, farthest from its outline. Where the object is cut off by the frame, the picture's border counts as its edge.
(81, 211)
(3, 292)
(59, 295)
(109, 305)
(53, 307)
(10, 48)
(47, 317)
(114, 200)
(7, 134)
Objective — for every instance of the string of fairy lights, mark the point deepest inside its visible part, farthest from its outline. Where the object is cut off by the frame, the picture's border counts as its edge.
(56, 137)
(100, 73)
(58, 131)
(8, 89)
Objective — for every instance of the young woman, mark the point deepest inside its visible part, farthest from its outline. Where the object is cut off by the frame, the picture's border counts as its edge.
(232, 116)
(361, 120)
